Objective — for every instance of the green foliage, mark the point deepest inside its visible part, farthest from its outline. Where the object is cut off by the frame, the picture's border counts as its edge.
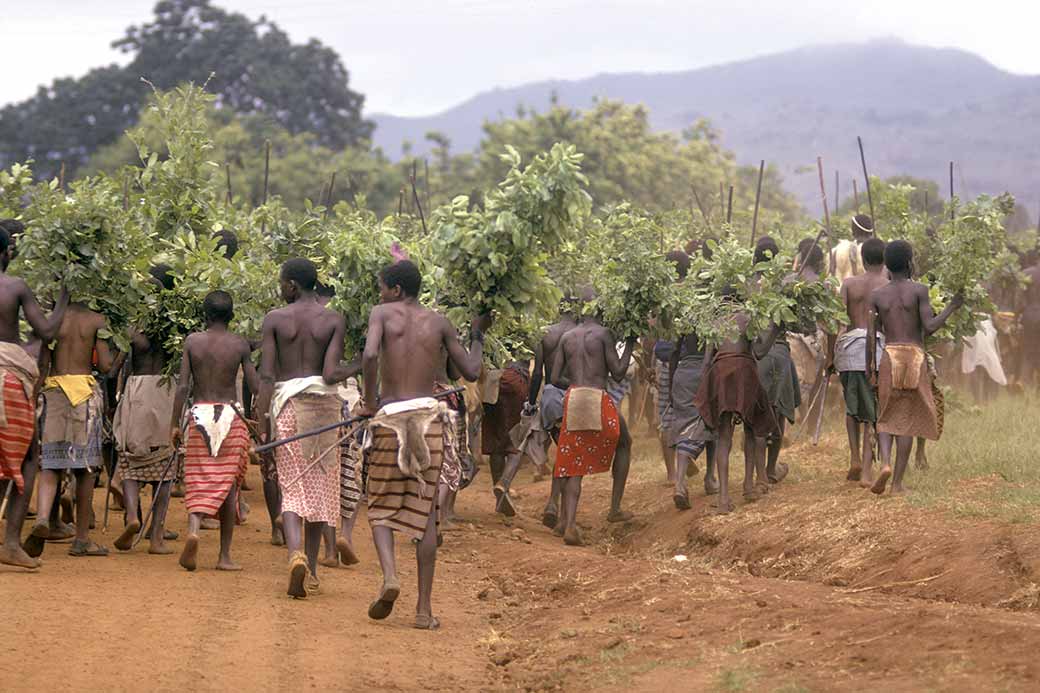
(631, 275)
(495, 258)
(301, 87)
(969, 250)
(14, 185)
(85, 240)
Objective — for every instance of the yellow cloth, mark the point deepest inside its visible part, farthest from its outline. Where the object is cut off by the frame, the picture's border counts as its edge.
(77, 388)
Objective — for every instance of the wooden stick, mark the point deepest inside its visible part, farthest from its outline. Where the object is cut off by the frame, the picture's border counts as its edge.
(7, 497)
(426, 180)
(148, 515)
(952, 213)
(400, 202)
(758, 197)
(697, 199)
(823, 407)
(926, 202)
(267, 171)
(823, 195)
(837, 191)
(229, 199)
(729, 206)
(418, 205)
(866, 176)
(901, 583)
(328, 196)
(855, 195)
(61, 176)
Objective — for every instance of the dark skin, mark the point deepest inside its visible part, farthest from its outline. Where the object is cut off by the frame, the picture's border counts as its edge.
(77, 340)
(1029, 305)
(209, 370)
(404, 352)
(588, 356)
(145, 359)
(855, 293)
(544, 357)
(904, 315)
(17, 299)
(753, 462)
(688, 346)
(301, 340)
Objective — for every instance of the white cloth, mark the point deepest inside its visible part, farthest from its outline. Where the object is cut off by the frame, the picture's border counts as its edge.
(847, 261)
(287, 389)
(850, 351)
(213, 426)
(349, 392)
(982, 350)
(409, 420)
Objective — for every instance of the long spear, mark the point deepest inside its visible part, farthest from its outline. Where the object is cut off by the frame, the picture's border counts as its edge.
(267, 172)
(328, 196)
(227, 170)
(729, 206)
(952, 212)
(866, 176)
(758, 197)
(415, 194)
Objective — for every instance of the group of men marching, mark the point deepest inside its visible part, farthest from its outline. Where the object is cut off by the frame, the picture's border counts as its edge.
(400, 443)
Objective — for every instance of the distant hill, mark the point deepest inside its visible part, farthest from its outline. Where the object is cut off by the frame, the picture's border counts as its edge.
(916, 108)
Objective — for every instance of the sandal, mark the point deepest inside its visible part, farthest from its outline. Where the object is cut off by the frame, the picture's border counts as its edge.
(424, 622)
(384, 605)
(80, 549)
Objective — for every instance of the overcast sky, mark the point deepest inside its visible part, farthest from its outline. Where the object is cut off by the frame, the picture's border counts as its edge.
(413, 57)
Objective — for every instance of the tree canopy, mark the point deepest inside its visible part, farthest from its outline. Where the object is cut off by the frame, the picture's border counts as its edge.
(256, 70)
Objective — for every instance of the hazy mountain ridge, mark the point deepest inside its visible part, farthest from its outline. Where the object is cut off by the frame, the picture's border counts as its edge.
(916, 108)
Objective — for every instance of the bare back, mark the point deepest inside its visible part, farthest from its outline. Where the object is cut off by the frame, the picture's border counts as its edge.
(146, 358)
(900, 307)
(213, 358)
(588, 356)
(856, 291)
(551, 341)
(77, 339)
(302, 333)
(411, 349)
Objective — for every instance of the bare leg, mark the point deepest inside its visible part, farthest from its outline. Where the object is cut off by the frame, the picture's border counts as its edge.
(711, 484)
(619, 472)
(551, 514)
(388, 593)
(921, 460)
(426, 558)
(855, 461)
(754, 463)
(571, 495)
(345, 541)
(904, 444)
(328, 539)
(45, 501)
(497, 462)
(161, 503)
(670, 458)
(273, 500)
(12, 552)
(868, 444)
(722, 450)
(885, 451)
(681, 494)
(131, 523)
(312, 532)
(84, 503)
(503, 503)
(228, 518)
(189, 554)
(776, 471)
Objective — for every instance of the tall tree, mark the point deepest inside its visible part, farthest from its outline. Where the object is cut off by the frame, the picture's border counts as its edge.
(257, 71)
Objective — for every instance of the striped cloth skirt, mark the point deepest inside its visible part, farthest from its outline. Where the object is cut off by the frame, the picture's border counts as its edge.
(394, 499)
(209, 479)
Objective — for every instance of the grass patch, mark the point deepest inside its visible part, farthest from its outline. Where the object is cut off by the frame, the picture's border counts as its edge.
(735, 679)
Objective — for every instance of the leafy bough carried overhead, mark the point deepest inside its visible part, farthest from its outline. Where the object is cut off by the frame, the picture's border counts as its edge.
(496, 257)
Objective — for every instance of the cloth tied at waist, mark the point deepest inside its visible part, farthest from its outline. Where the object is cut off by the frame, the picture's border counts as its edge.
(16, 361)
(213, 421)
(77, 388)
(287, 389)
(410, 420)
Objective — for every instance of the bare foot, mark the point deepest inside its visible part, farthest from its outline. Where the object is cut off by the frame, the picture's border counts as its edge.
(346, 552)
(33, 545)
(190, 553)
(447, 525)
(882, 480)
(329, 562)
(126, 539)
(558, 530)
(711, 487)
(210, 523)
(16, 556)
(228, 565)
(550, 518)
(682, 500)
(921, 461)
(780, 473)
(855, 472)
(572, 537)
(897, 490)
(159, 549)
(619, 516)
(277, 538)
(503, 503)
(752, 495)
(723, 507)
